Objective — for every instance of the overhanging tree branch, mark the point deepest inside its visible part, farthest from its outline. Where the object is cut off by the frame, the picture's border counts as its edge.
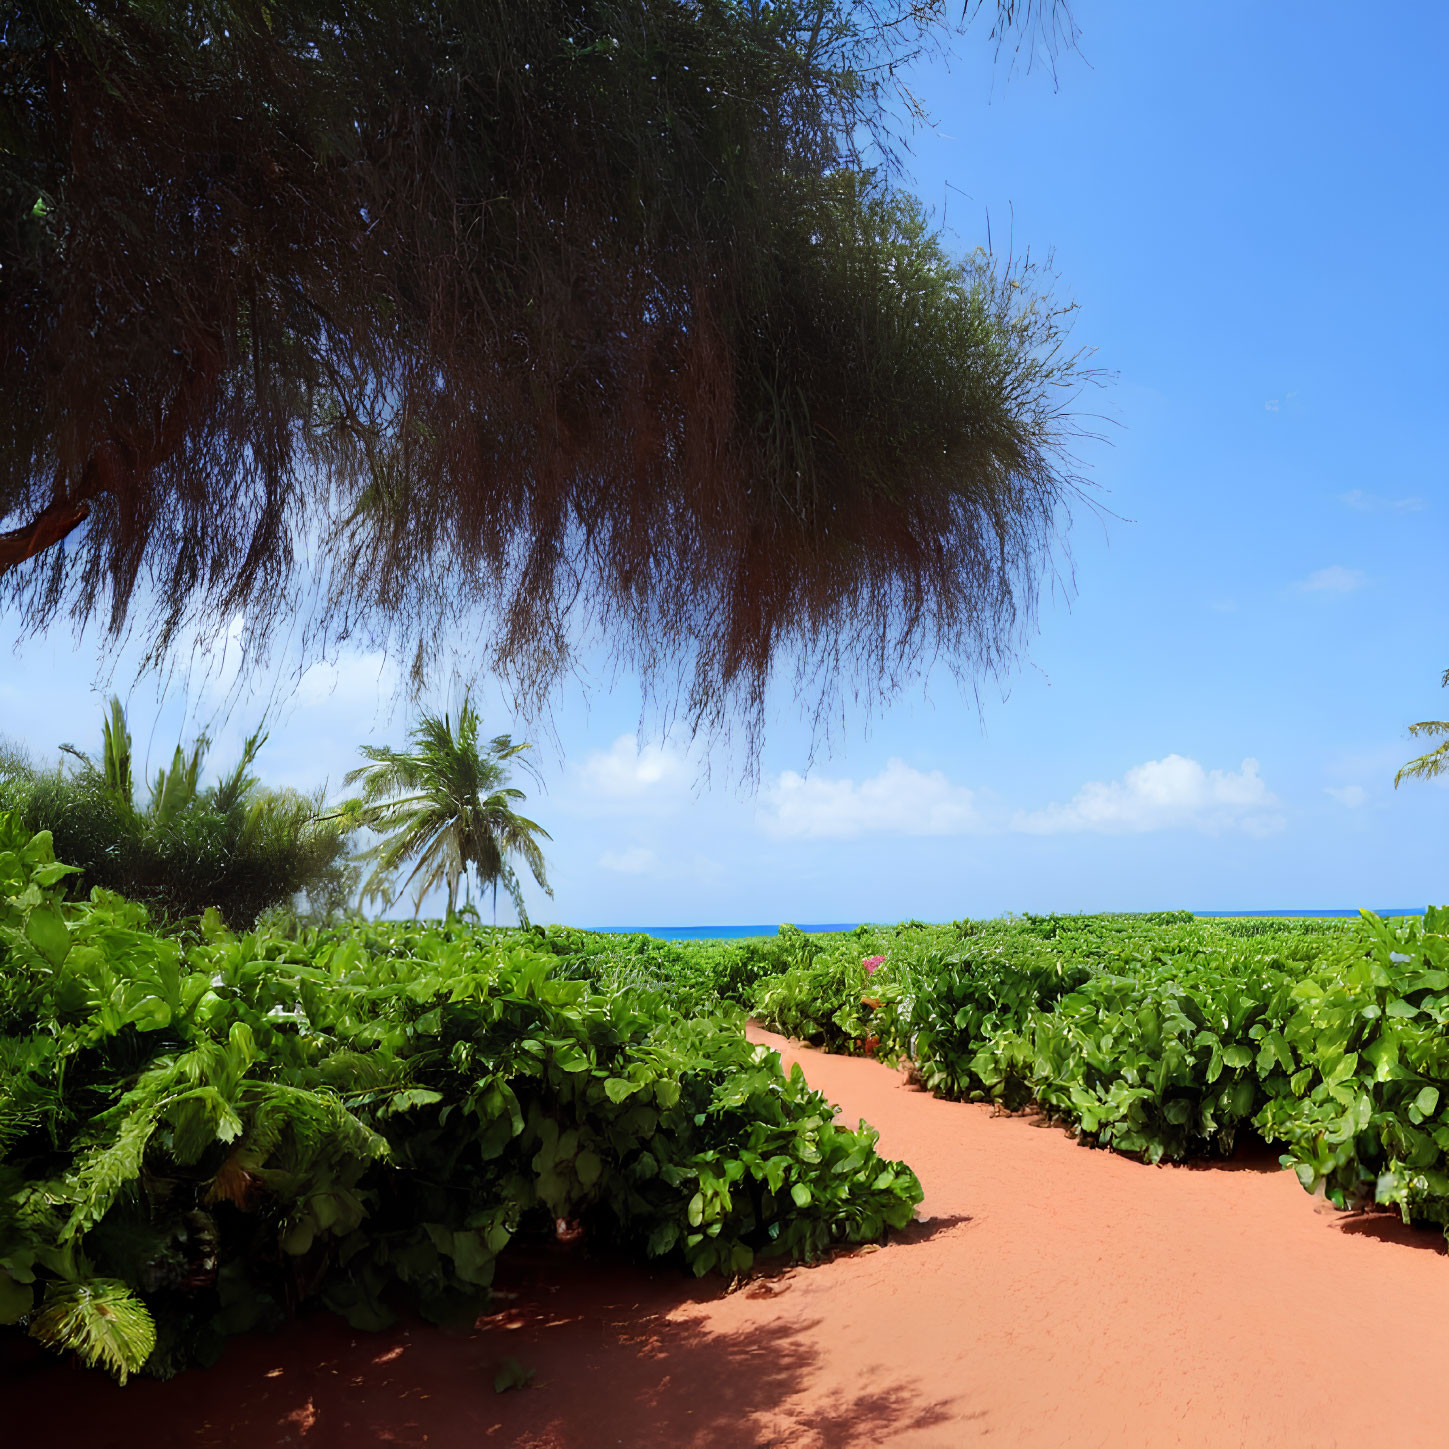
(52, 524)
(501, 322)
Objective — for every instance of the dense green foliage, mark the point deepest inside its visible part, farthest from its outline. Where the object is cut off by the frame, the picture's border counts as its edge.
(697, 974)
(178, 844)
(199, 1134)
(1367, 1034)
(1168, 1037)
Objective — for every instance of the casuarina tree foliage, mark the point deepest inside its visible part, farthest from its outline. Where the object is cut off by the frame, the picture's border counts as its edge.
(567, 320)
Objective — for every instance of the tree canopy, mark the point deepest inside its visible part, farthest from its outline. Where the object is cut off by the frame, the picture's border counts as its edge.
(173, 841)
(525, 323)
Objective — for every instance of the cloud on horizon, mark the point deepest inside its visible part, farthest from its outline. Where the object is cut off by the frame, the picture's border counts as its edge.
(1174, 793)
(899, 800)
(1335, 579)
(1363, 502)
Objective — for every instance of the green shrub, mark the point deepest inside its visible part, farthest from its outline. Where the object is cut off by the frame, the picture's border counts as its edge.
(1321, 930)
(1367, 1116)
(196, 1137)
(943, 1007)
(180, 846)
(818, 996)
(1167, 1036)
(699, 972)
(1167, 1061)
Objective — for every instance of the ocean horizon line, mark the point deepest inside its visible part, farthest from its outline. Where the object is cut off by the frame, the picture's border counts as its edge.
(760, 928)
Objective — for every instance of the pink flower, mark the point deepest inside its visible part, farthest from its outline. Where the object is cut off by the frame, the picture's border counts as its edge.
(873, 964)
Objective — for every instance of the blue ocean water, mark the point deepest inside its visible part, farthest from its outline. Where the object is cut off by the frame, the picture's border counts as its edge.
(711, 933)
(733, 933)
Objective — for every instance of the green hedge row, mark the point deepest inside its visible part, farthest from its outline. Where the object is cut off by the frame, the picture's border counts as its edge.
(199, 1135)
(1168, 1038)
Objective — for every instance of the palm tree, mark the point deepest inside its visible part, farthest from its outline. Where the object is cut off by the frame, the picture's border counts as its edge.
(446, 804)
(1436, 761)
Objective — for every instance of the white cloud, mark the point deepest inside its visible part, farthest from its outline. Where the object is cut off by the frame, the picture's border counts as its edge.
(1351, 795)
(1335, 579)
(1173, 793)
(1375, 503)
(899, 800)
(654, 780)
(1271, 405)
(626, 770)
(637, 860)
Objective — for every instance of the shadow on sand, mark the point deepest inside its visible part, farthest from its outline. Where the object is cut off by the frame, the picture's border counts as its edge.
(618, 1357)
(1389, 1227)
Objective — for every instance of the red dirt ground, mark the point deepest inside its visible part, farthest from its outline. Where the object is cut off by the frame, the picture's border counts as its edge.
(1052, 1296)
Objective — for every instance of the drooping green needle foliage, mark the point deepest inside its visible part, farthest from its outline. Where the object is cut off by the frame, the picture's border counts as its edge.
(444, 806)
(549, 318)
(175, 842)
(197, 1138)
(1434, 762)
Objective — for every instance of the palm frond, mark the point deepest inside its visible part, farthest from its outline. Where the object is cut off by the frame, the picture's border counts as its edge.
(99, 1319)
(1431, 765)
(176, 787)
(1435, 762)
(116, 752)
(236, 786)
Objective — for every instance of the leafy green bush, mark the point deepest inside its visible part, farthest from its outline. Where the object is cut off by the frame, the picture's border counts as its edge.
(195, 1138)
(818, 997)
(1168, 1037)
(1367, 1116)
(1160, 1035)
(699, 972)
(179, 845)
(1322, 930)
(1167, 1061)
(942, 1007)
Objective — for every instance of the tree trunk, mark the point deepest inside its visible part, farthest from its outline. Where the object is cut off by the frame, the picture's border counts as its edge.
(119, 466)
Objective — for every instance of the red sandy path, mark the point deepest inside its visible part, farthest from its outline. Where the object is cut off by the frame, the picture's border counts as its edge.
(1057, 1297)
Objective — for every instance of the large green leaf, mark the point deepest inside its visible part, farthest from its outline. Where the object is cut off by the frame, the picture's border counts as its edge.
(16, 1299)
(48, 933)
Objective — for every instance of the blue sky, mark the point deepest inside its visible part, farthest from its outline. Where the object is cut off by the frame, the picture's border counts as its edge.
(1247, 203)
